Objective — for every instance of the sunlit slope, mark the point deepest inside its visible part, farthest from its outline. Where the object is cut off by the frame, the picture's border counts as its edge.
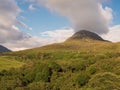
(8, 63)
(76, 46)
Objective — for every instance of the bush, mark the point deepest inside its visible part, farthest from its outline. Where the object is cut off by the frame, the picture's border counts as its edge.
(39, 86)
(55, 67)
(43, 75)
(92, 70)
(77, 66)
(21, 88)
(80, 67)
(31, 56)
(3, 73)
(41, 72)
(105, 81)
(7, 83)
(30, 76)
(82, 79)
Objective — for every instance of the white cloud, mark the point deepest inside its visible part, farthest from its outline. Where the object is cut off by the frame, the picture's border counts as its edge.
(114, 34)
(23, 25)
(58, 35)
(10, 34)
(54, 36)
(107, 12)
(8, 21)
(15, 28)
(31, 7)
(30, 0)
(25, 43)
(84, 14)
(8, 12)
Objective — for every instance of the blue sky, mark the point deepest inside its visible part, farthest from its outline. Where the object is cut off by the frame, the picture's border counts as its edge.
(115, 5)
(41, 19)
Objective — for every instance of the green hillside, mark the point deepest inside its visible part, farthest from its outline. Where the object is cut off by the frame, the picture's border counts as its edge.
(73, 65)
(7, 63)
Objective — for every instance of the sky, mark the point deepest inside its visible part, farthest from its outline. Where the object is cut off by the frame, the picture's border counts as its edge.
(27, 24)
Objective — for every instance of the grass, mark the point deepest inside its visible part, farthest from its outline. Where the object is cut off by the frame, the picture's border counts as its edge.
(6, 64)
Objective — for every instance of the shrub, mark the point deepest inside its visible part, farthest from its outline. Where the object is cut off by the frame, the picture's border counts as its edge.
(107, 66)
(82, 79)
(31, 56)
(30, 76)
(55, 67)
(7, 83)
(3, 73)
(41, 72)
(44, 75)
(92, 70)
(109, 54)
(45, 55)
(80, 65)
(105, 81)
(21, 88)
(39, 86)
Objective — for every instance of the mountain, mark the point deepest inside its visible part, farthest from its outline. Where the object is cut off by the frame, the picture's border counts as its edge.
(4, 49)
(85, 63)
(84, 34)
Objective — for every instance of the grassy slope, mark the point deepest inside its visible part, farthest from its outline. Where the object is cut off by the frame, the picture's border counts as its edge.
(6, 63)
(85, 64)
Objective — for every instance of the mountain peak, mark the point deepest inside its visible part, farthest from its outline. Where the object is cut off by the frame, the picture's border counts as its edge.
(84, 34)
(4, 49)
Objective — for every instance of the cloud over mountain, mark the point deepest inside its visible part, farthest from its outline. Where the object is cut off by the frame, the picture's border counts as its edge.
(84, 14)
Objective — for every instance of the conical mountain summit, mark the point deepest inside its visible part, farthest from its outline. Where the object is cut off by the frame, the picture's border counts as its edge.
(84, 34)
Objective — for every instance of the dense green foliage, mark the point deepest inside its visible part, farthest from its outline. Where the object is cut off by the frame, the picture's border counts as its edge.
(72, 65)
(82, 79)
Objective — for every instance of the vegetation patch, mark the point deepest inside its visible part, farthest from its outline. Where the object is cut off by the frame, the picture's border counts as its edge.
(6, 63)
